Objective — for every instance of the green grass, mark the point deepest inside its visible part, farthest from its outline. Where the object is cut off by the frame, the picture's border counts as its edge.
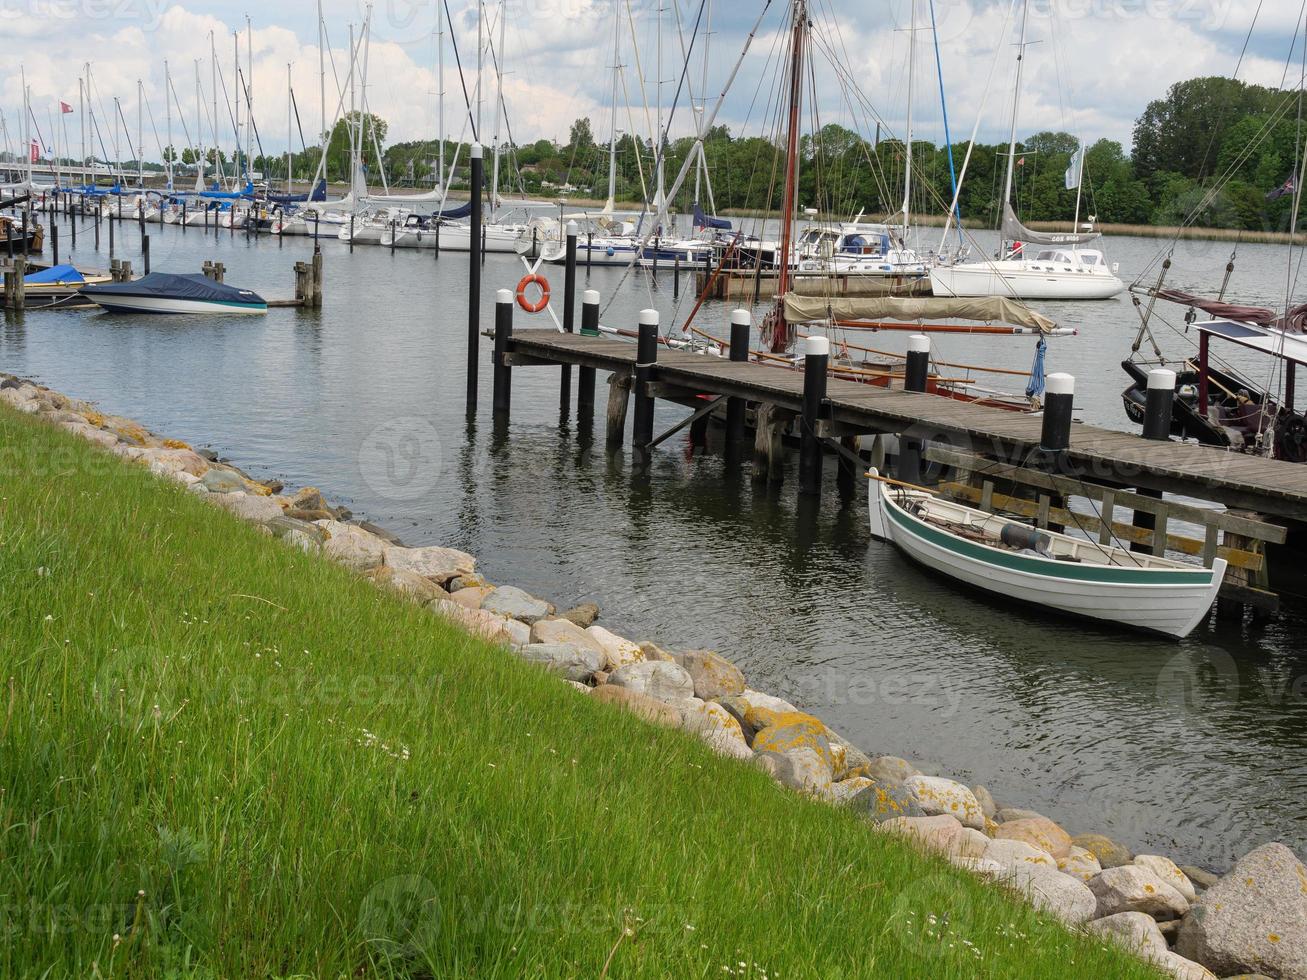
(221, 757)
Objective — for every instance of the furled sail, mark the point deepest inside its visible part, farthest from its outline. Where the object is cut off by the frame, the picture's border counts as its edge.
(986, 309)
(1015, 231)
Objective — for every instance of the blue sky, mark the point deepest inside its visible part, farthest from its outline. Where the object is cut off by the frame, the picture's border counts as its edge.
(1093, 66)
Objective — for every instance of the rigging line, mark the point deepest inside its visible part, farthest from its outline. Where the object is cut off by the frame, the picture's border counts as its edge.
(1293, 43)
(467, 101)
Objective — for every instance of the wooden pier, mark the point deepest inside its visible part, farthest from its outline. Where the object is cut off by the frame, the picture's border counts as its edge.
(988, 451)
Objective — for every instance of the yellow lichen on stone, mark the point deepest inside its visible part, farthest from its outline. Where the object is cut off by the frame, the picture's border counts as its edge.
(175, 444)
(95, 418)
(791, 730)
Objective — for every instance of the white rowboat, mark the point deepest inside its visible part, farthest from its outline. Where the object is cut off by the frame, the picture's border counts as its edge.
(1043, 568)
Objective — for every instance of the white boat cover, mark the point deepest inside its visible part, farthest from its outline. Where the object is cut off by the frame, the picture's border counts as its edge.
(985, 309)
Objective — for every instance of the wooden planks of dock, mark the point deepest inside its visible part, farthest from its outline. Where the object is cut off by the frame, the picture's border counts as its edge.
(1268, 487)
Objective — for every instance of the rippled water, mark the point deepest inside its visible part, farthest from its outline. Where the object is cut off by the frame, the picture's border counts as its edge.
(1196, 750)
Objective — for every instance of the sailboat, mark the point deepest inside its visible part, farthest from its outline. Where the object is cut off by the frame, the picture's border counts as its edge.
(1033, 264)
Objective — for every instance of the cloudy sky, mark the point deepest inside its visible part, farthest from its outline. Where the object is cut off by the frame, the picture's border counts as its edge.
(1093, 66)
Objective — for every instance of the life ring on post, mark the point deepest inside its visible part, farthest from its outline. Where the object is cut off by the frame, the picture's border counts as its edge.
(542, 302)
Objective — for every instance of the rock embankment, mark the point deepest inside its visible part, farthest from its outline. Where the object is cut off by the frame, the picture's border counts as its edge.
(1190, 923)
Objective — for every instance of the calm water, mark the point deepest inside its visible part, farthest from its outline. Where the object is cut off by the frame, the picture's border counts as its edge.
(1196, 750)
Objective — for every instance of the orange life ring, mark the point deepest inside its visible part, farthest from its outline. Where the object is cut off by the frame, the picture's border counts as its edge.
(529, 280)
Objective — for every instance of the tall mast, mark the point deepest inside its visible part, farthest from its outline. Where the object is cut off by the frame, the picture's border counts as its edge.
(199, 132)
(236, 97)
(140, 135)
(612, 140)
(481, 48)
(167, 110)
(701, 168)
(658, 97)
(440, 82)
(81, 117)
(907, 146)
(499, 103)
(290, 97)
(353, 118)
(117, 138)
(1016, 102)
(27, 125)
(213, 59)
(322, 78)
(249, 94)
(780, 337)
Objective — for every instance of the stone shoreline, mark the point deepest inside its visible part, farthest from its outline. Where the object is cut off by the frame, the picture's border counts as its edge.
(1189, 922)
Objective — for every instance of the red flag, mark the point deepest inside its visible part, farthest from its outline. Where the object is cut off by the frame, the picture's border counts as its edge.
(36, 151)
(65, 107)
(1021, 162)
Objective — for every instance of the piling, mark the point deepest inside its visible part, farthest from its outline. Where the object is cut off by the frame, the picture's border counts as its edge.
(140, 217)
(646, 359)
(1160, 401)
(303, 290)
(768, 450)
(26, 230)
(111, 234)
(589, 253)
(474, 280)
(816, 360)
(145, 253)
(741, 328)
(183, 215)
(54, 243)
(585, 377)
(9, 241)
(619, 392)
(437, 248)
(97, 229)
(72, 228)
(351, 234)
(503, 383)
(392, 236)
(1055, 437)
(569, 317)
(915, 374)
(676, 277)
(315, 269)
(20, 283)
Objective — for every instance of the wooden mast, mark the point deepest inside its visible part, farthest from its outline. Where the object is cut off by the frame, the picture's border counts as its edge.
(781, 332)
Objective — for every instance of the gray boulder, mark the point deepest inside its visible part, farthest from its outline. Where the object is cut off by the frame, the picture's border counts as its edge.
(1254, 920)
(1135, 931)
(713, 675)
(247, 506)
(1110, 854)
(507, 600)
(891, 768)
(665, 681)
(884, 800)
(1131, 888)
(1053, 892)
(221, 480)
(572, 663)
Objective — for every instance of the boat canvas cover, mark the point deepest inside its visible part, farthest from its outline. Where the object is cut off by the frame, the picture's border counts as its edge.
(56, 273)
(703, 221)
(1292, 323)
(1015, 231)
(167, 285)
(319, 194)
(984, 309)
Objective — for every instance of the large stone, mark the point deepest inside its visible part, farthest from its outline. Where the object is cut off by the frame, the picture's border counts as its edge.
(1110, 854)
(1130, 888)
(283, 526)
(850, 760)
(1011, 853)
(664, 681)
(986, 801)
(714, 676)
(937, 795)
(471, 598)
(794, 730)
(564, 631)
(573, 663)
(583, 615)
(1254, 920)
(758, 699)
(942, 832)
(800, 769)
(510, 601)
(1080, 863)
(1167, 870)
(352, 546)
(891, 767)
(725, 744)
(1135, 931)
(641, 705)
(90, 433)
(1200, 878)
(1053, 892)
(406, 583)
(1183, 969)
(705, 717)
(1038, 832)
(478, 622)
(883, 800)
(844, 790)
(618, 651)
(260, 510)
(162, 461)
(1007, 813)
(652, 651)
(18, 398)
(438, 564)
(222, 480)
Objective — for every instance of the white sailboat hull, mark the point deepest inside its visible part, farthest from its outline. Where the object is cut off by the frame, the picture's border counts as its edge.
(1022, 279)
(1160, 597)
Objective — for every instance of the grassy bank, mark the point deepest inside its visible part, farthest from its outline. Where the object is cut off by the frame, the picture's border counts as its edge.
(223, 757)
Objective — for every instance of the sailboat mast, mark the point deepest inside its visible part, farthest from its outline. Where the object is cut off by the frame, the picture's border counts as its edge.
(81, 117)
(167, 111)
(440, 114)
(780, 338)
(1080, 179)
(140, 135)
(612, 118)
(499, 110)
(1016, 102)
(236, 98)
(290, 104)
(481, 50)
(907, 146)
(249, 94)
(322, 77)
(199, 132)
(213, 70)
(658, 98)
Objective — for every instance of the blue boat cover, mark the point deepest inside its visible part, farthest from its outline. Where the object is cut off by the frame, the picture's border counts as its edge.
(702, 221)
(194, 286)
(319, 194)
(56, 273)
(462, 211)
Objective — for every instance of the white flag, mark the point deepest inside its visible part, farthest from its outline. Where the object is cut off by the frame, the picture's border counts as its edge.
(1076, 167)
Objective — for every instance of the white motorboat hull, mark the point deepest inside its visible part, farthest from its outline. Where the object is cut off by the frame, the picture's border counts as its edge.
(1021, 279)
(159, 304)
(1158, 597)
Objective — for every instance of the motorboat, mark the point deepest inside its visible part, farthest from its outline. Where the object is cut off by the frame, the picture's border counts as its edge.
(165, 292)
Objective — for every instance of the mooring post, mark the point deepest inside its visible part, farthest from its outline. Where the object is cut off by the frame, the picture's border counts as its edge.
(589, 253)
(585, 377)
(915, 375)
(111, 224)
(145, 253)
(9, 240)
(646, 359)
(26, 230)
(437, 248)
(503, 385)
(183, 215)
(1158, 404)
(846, 476)
(676, 277)
(569, 317)
(619, 397)
(392, 236)
(140, 215)
(741, 328)
(20, 283)
(315, 268)
(72, 228)
(816, 358)
(1055, 436)
(474, 281)
(54, 242)
(768, 458)
(97, 228)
